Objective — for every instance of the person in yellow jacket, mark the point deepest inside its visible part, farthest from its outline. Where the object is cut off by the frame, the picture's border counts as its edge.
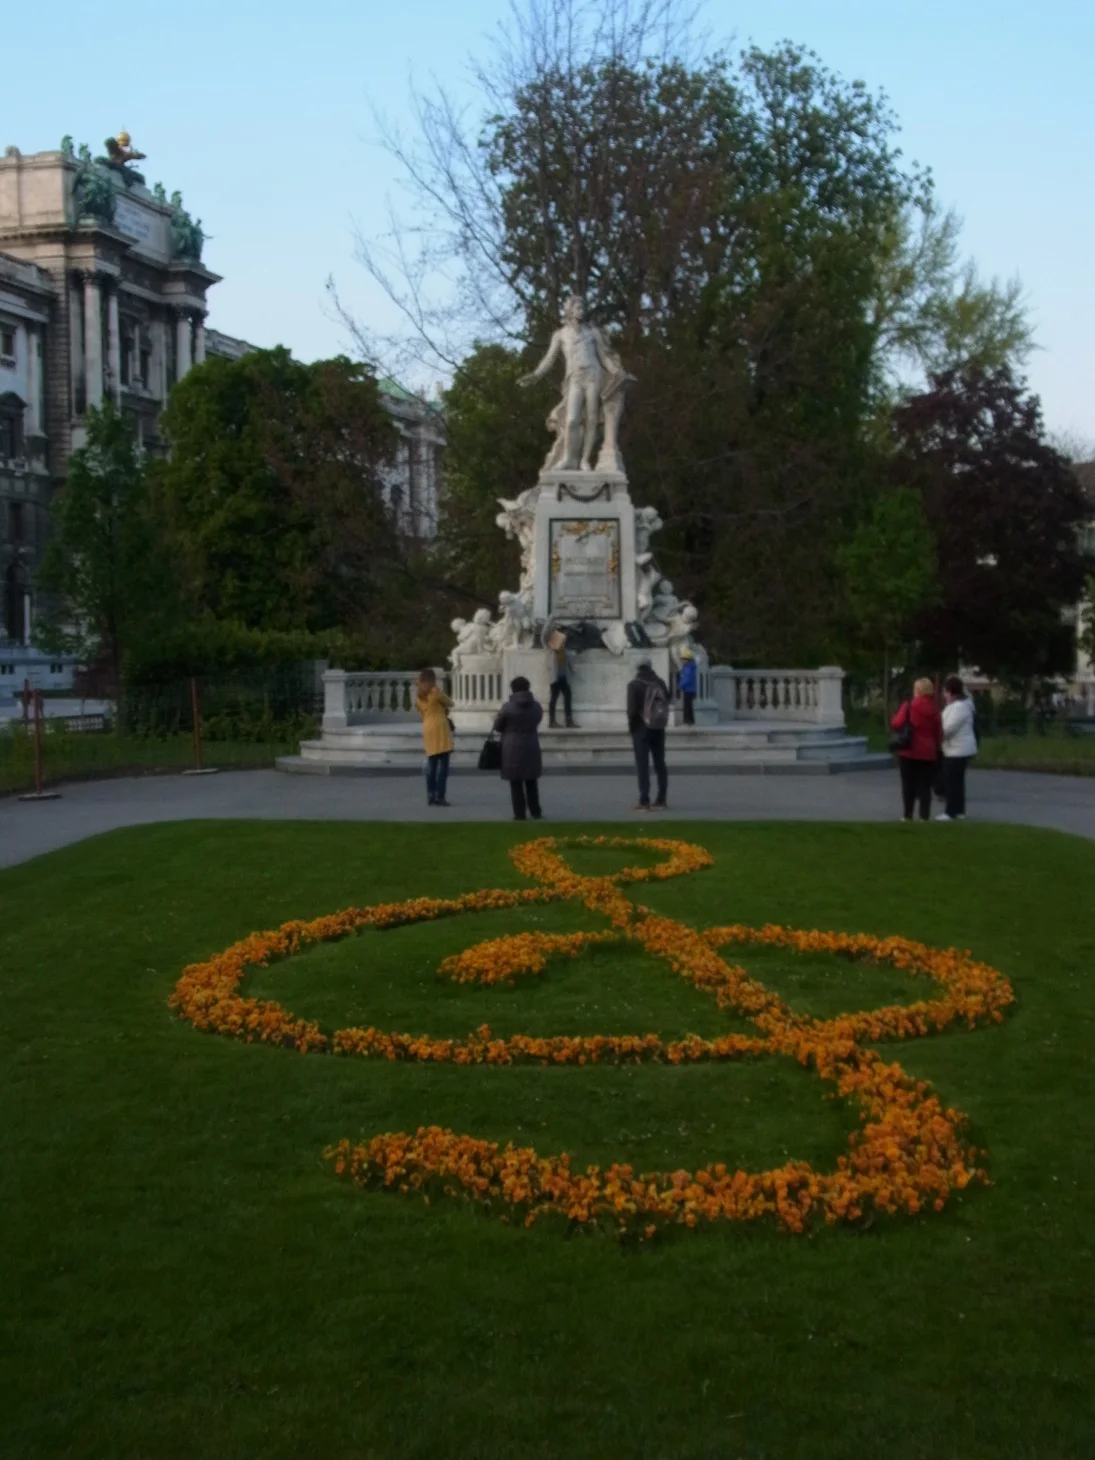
(433, 704)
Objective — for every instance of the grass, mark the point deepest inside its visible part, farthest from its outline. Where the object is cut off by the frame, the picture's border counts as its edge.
(182, 1275)
(86, 755)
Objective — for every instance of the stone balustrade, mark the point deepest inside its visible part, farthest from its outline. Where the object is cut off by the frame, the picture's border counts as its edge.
(800, 696)
(811, 696)
(370, 697)
(477, 684)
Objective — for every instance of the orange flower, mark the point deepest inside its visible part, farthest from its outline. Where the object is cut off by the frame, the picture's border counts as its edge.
(910, 1150)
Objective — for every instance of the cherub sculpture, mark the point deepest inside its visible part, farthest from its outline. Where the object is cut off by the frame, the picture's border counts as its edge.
(514, 627)
(471, 638)
(647, 578)
(647, 523)
(681, 626)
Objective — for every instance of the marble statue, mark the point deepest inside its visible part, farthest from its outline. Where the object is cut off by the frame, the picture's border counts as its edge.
(647, 577)
(517, 520)
(514, 629)
(647, 523)
(471, 638)
(595, 386)
(680, 628)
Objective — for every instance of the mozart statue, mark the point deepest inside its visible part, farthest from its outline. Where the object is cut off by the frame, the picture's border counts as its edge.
(595, 385)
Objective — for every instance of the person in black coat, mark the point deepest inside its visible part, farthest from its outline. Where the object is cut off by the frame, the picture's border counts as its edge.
(647, 717)
(522, 764)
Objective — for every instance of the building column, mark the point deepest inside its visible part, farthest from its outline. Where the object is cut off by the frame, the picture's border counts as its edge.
(26, 616)
(158, 383)
(199, 339)
(182, 346)
(113, 345)
(93, 341)
(34, 380)
(76, 343)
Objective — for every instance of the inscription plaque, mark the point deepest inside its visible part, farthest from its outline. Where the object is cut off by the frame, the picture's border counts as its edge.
(585, 568)
(132, 220)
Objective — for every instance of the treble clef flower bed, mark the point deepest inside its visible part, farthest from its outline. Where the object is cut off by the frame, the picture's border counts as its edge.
(910, 1151)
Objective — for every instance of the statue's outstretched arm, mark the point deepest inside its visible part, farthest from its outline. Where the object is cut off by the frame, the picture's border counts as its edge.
(545, 364)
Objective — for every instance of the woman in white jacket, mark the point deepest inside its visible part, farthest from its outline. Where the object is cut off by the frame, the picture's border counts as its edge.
(959, 747)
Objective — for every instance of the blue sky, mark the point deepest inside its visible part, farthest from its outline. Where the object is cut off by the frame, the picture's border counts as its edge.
(262, 115)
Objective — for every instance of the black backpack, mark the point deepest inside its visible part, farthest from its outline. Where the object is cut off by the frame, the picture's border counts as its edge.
(656, 706)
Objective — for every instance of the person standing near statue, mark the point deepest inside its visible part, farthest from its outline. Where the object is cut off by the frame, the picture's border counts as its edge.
(594, 386)
(647, 717)
(560, 665)
(687, 682)
(522, 765)
(433, 704)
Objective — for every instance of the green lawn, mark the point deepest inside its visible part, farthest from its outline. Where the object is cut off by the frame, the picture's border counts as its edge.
(86, 755)
(183, 1275)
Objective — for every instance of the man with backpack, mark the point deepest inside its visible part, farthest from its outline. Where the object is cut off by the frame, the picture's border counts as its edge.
(647, 717)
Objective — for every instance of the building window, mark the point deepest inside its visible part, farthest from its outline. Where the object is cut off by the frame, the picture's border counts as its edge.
(7, 344)
(11, 426)
(15, 587)
(146, 361)
(16, 525)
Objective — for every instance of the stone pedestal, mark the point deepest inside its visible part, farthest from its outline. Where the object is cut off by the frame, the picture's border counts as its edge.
(598, 685)
(584, 548)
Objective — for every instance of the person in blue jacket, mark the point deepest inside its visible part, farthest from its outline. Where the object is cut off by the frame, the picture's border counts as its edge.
(687, 681)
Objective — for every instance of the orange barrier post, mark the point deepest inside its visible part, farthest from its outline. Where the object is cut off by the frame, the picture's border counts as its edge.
(38, 794)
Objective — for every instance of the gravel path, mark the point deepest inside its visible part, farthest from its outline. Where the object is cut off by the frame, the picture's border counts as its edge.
(29, 828)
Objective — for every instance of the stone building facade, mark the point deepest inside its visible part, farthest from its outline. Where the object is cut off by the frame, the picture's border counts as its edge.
(103, 294)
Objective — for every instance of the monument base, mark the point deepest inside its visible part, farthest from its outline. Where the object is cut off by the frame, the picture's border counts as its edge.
(598, 686)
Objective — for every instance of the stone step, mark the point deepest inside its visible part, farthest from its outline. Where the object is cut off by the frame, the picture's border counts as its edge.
(399, 737)
(805, 748)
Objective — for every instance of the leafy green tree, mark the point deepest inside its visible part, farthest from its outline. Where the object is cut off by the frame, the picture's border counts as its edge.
(272, 497)
(105, 575)
(494, 434)
(890, 575)
(745, 229)
(1007, 513)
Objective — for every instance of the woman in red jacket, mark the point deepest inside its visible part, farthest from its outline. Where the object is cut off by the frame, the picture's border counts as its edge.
(917, 760)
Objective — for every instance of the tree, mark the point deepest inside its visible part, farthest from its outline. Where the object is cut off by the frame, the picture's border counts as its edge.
(889, 567)
(494, 432)
(744, 228)
(104, 567)
(272, 496)
(1006, 511)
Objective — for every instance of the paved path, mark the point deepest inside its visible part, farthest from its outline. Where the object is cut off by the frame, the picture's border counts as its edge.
(28, 828)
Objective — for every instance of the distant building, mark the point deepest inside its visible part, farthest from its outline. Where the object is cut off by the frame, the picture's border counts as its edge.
(414, 482)
(103, 295)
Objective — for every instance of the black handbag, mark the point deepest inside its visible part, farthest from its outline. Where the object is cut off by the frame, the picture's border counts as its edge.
(490, 757)
(902, 737)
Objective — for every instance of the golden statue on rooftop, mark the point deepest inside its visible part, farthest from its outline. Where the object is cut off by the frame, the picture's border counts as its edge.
(120, 152)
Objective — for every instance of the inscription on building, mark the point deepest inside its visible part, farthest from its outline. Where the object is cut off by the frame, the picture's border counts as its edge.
(585, 568)
(134, 221)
